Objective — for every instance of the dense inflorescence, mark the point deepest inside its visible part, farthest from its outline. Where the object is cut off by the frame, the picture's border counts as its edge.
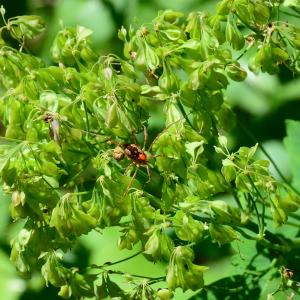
(64, 122)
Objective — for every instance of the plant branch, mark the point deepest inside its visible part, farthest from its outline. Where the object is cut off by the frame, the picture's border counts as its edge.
(116, 262)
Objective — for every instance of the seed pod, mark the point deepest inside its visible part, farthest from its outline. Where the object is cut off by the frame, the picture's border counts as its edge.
(172, 34)
(261, 12)
(235, 72)
(186, 228)
(223, 7)
(26, 26)
(151, 58)
(289, 203)
(225, 213)
(222, 234)
(122, 34)
(233, 36)
(159, 246)
(164, 294)
(268, 58)
(128, 69)
(171, 16)
(182, 272)
(65, 291)
(279, 216)
(88, 55)
(168, 81)
(18, 206)
(229, 172)
(53, 271)
(112, 117)
(244, 10)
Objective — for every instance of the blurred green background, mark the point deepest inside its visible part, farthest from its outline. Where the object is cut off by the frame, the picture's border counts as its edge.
(262, 103)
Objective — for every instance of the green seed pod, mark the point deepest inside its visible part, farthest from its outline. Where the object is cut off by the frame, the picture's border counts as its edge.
(296, 41)
(164, 294)
(229, 172)
(233, 36)
(49, 168)
(18, 208)
(14, 131)
(151, 58)
(19, 259)
(186, 228)
(168, 81)
(261, 12)
(235, 72)
(223, 7)
(182, 272)
(65, 291)
(225, 213)
(122, 34)
(128, 69)
(68, 218)
(26, 26)
(279, 216)
(213, 100)
(128, 238)
(172, 34)
(112, 117)
(269, 57)
(88, 55)
(289, 203)
(53, 271)
(153, 39)
(222, 234)
(244, 10)
(171, 16)
(29, 87)
(159, 246)
(92, 207)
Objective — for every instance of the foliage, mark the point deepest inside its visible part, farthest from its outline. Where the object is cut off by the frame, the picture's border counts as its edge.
(65, 151)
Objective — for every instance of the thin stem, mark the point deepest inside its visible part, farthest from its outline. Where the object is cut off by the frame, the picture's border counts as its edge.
(251, 136)
(260, 231)
(263, 203)
(86, 117)
(235, 196)
(121, 260)
(184, 113)
(94, 266)
(290, 14)
(243, 53)
(135, 275)
(269, 240)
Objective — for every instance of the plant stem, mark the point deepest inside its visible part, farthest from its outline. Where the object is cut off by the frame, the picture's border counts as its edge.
(251, 136)
(263, 204)
(135, 275)
(116, 262)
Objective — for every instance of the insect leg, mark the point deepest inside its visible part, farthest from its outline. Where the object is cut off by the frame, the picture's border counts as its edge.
(130, 182)
(128, 168)
(149, 173)
(145, 138)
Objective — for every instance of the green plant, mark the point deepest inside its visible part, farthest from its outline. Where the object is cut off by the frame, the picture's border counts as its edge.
(67, 130)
